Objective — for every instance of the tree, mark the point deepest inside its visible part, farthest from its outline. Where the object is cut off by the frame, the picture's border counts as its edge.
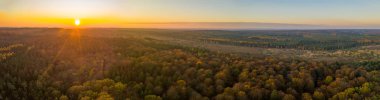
(298, 84)
(224, 97)
(365, 90)
(318, 95)
(256, 94)
(243, 76)
(63, 97)
(118, 90)
(242, 96)
(172, 94)
(328, 79)
(104, 96)
(306, 96)
(275, 95)
(152, 97)
(289, 97)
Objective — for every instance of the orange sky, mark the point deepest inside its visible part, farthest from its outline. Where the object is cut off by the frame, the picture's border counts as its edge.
(131, 13)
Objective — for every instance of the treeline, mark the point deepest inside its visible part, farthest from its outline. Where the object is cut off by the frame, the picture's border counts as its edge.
(294, 44)
(296, 39)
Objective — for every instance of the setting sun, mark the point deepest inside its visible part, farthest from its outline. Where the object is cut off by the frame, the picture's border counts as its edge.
(77, 22)
(190, 49)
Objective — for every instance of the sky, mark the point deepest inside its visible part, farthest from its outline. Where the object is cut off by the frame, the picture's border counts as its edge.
(156, 13)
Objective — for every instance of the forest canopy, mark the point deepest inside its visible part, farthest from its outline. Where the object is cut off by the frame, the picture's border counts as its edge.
(50, 66)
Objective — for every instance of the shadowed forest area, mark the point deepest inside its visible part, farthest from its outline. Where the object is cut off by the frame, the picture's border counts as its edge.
(157, 64)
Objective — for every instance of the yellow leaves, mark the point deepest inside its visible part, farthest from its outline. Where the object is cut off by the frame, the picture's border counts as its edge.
(328, 79)
(63, 97)
(7, 53)
(199, 62)
(220, 75)
(271, 83)
(241, 95)
(350, 90)
(247, 86)
(181, 83)
(119, 87)
(365, 89)
(76, 89)
(318, 95)
(98, 89)
(306, 96)
(104, 96)
(4, 56)
(289, 97)
(152, 97)
(297, 83)
(243, 76)
(10, 47)
(366, 84)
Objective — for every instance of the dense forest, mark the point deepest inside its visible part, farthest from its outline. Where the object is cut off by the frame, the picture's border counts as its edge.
(297, 39)
(51, 64)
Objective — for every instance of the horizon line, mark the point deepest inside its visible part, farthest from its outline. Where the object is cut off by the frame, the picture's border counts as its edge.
(188, 28)
(213, 25)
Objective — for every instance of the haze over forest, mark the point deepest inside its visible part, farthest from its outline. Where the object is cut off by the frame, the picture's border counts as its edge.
(189, 50)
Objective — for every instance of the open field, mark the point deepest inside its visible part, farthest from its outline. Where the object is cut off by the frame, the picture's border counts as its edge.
(155, 64)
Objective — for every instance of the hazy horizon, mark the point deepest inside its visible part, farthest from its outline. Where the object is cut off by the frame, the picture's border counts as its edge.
(326, 14)
(189, 50)
(218, 26)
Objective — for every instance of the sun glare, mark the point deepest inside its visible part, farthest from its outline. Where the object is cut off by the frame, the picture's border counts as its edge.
(77, 22)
